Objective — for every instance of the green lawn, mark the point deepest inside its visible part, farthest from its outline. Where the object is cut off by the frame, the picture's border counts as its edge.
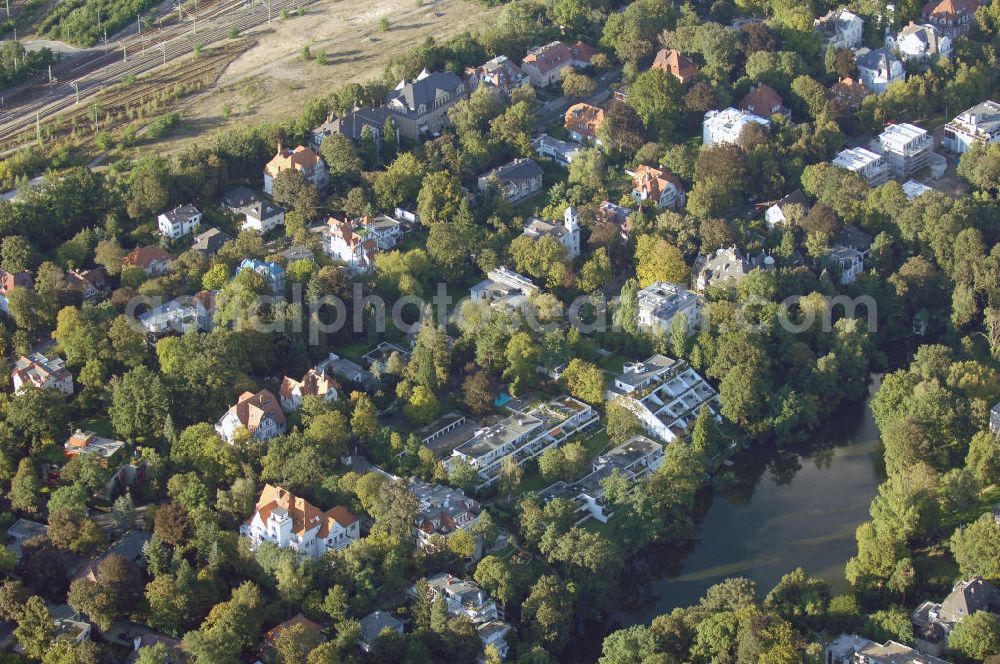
(612, 364)
(594, 443)
(595, 526)
(354, 351)
(988, 498)
(100, 426)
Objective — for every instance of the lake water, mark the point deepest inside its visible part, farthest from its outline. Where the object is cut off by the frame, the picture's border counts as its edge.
(785, 509)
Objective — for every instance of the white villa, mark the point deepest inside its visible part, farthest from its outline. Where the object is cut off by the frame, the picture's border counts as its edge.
(260, 414)
(314, 383)
(462, 597)
(665, 394)
(726, 126)
(840, 28)
(878, 68)
(980, 124)
(504, 288)
(660, 302)
(567, 233)
(37, 370)
(179, 222)
(291, 522)
(919, 43)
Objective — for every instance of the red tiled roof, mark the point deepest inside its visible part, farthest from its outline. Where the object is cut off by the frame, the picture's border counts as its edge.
(251, 408)
(761, 100)
(304, 515)
(271, 636)
(301, 158)
(584, 119)
(313, 383)
(143, 257)
(950, 9)
(675, 63)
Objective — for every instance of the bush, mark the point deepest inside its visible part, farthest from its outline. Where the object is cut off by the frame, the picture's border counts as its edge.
(162, 125)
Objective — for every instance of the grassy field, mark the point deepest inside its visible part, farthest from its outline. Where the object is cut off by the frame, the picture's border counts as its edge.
(100, 426)
(273, 80)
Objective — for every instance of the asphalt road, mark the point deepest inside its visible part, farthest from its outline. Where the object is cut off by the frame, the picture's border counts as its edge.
(554, 110)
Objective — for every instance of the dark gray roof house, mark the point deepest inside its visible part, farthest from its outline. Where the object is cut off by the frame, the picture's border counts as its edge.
(518, 179)
(934, 622)
(420, 107)
(967, 597)
(210, 241)
(239, 197)
(351, 124)
(854, 238)
(373, 624)
(426, 92)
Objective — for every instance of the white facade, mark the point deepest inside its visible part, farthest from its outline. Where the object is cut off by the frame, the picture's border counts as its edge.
(504, 288)
(44, 373)
(182, 315)
(462, 597)
(290, 522)
(660, 302)
(850, 261)
(356, 243)
(314, 383)
(840, 29)
(260, 414)
(869, 164)
(919, 43)
(907, 149)
(633, 460)
(262, 217)
(669, 399)
(568, 234)
(561, 152)
(180, 221)
(979, 124)
(726, 126)
(878, 69)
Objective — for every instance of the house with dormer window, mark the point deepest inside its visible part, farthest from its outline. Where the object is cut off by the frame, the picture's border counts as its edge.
(291, 522)
(420, 107)
(259, 413)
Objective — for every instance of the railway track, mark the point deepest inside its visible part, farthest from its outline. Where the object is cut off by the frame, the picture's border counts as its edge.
(121, 102)
(135, 57)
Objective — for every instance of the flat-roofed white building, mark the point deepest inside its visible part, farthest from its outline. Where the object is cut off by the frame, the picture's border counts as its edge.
(727, 125)
(523, 436)
(979, 124)
(914, 189)
(907, 149)
(666, 395)
(561, 152)
(660, 302)
(869, 164)
(504, 288)
(633, 460)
